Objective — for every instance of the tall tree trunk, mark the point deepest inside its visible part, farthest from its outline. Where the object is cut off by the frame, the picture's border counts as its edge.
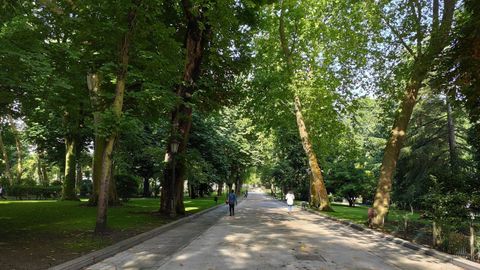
(421, 66)
(113, 198)
(220, 189)
(319, 195)
(116, 107)
(99, 146)
(238, 182)
(437, 234)
(146, 187)
(39, 171)
(79, 175)
(472, 241)
(43, 167)
(68, 191)
(18, 145)
(196, 37)
(452, 143)
(7, 172)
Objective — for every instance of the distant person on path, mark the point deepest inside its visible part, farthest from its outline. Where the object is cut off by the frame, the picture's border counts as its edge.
(290, 197)
(246, 194)
(1, 193)
(232, 200)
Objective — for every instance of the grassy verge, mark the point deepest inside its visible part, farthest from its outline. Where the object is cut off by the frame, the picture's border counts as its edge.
(358, 214)
(47, 232)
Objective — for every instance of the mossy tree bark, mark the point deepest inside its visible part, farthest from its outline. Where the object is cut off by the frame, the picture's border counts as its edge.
(421, 66)
(116, 107)
(198, 32)
(68, 191)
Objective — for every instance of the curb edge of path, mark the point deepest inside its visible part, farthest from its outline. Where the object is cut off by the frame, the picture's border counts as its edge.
(102, 254)
(458, 261)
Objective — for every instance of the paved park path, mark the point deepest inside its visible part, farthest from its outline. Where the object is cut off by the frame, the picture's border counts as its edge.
(262, 235)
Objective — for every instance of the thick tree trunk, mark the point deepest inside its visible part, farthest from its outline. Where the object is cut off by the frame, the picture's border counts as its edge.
(79, 175)
(116, 107)
(18, 145)
(99, 146)
(39, 171)
(472, 241)
(113, 198)
(319, 196)
(101, 222)
(68, 191)
(238, 183)
(437, 234)
(146, 187)
(391, 153)
(220, 189)
(6, 161)
(418, 74)
(197, 33)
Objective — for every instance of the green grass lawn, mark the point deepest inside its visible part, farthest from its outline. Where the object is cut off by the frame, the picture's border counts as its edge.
(358, 214)
(50, 216)
(65, 228)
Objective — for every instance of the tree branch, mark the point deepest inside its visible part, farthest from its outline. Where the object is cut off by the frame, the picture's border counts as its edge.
(399, 37)
(435, 8)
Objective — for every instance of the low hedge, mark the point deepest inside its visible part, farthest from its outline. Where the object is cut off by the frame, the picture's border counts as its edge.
(39, 192)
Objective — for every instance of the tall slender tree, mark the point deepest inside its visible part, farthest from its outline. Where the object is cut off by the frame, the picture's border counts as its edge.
(428, 46)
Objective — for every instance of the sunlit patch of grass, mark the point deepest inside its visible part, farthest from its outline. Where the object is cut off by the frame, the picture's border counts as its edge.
(23, 220)
(26, 201)
(359, 213)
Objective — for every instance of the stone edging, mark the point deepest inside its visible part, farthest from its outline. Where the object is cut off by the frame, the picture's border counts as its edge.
(458, 261)
(100, 255)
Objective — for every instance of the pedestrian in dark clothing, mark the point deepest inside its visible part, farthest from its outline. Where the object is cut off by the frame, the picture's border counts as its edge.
(232, 200)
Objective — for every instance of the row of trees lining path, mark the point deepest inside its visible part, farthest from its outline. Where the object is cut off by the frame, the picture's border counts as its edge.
(138, 86)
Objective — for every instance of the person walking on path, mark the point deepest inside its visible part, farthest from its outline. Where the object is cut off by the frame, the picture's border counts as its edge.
(290, 197)
(232, 200)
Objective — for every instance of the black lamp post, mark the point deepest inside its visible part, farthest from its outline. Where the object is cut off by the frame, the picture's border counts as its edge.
(173, 149)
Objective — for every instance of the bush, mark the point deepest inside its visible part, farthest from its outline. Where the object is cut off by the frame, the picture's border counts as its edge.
(127, 186)
(39, 192)
(86, 187)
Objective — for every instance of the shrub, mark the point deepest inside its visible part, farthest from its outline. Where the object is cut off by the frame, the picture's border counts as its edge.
(86, 187)
(127, 186)
(39, 192)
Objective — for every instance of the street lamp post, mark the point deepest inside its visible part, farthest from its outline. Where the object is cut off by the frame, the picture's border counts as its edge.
(173, 150)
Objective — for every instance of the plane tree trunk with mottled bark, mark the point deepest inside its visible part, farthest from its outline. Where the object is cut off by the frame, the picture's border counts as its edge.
(421, 66)
(319, 195)
(198, 31)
